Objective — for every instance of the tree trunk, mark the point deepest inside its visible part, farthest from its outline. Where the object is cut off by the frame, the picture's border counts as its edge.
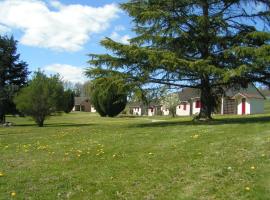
(2, 118)
(207, 102)
(40, 121)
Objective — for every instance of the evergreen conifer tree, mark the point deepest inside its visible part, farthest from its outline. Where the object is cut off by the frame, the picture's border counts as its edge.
(204, 44)
(13, 74)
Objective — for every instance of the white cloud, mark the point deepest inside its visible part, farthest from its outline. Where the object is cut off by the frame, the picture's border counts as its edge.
(67, 72)
(120, 38)
(55, 25)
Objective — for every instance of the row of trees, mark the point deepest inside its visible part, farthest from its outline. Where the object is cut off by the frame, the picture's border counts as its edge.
(39, 98)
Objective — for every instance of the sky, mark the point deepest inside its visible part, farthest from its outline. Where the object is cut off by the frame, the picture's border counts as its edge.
(56, 36)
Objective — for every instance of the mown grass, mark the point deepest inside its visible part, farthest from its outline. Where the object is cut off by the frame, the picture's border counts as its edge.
(82, 156)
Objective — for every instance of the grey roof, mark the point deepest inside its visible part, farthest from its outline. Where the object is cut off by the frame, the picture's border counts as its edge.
(188, 93)
(142, 105)
(135, 104)
(79, 100)
(251, 92)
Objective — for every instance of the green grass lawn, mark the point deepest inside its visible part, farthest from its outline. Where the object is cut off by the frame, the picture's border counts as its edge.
(82, 156)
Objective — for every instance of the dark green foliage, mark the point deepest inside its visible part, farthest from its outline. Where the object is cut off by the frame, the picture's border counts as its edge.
(108, 96)
(13, 75)
(204, 44)
(41, 98)
(68, 101)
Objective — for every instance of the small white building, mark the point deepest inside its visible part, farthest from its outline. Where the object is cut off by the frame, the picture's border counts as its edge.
(190, 103)
(150, 111)
(183, 109)
(241, 101)
(165, 111)
(136, 110)
(83, 104)
(154, 109)
(249, 104)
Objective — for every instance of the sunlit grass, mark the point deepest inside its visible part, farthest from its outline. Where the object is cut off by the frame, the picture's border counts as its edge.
(83, 156)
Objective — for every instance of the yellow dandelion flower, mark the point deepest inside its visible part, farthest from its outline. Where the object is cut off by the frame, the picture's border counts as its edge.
(195, 136)
(1, 174)
(150, 153)
(247, 188)
(252, 167)
(79, 155)
(113, 155)
(13, 194)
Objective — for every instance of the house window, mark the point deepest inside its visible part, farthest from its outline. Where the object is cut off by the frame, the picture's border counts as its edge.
(198, 104)
(179, 106)
(185, 106)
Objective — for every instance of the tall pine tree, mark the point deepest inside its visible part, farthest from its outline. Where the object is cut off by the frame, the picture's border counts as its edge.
(13, 74)
(204, 44)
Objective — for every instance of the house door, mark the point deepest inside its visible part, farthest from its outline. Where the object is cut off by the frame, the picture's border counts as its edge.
(243, 106)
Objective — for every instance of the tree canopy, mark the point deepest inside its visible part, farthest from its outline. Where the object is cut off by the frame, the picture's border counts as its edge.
(13, 74)
(204, 44)
(41, 98)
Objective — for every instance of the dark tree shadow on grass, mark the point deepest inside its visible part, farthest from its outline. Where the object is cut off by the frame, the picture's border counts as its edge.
(222, 121)
(55, 125)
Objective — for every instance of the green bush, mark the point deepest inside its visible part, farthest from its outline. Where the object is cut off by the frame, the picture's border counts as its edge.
(68, 101)
(109, 96)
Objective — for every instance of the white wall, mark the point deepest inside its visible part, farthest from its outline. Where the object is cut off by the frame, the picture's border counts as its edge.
(93, 110)
(195, 111)
(239, 106)
(137, 111)
(165, 111)
(151, 112)
(257, 106)
(181, 112)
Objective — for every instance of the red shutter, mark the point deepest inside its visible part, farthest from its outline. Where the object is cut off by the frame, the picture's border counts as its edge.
(243, 106)
(198, 104)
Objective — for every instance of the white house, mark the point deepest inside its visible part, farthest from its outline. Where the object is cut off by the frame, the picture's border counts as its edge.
(150, 111)
(189, 102)
(242, 101)
(154, 109)
(140, 109)
(83, 104)
(183, 109)
(249, 104)
(136, 110)
(165, 111)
